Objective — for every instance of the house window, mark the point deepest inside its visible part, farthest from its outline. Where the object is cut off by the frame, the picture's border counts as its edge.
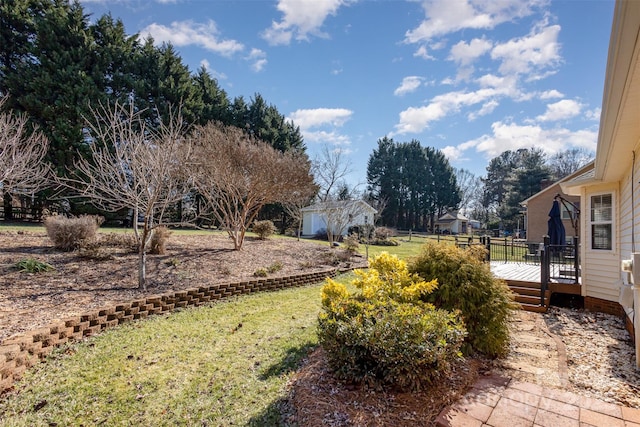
(601, 222)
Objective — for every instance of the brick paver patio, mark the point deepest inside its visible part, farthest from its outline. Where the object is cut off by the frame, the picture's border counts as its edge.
(496, 401)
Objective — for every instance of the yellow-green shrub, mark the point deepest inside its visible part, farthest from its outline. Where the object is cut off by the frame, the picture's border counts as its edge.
(385, 334)
(465, 283)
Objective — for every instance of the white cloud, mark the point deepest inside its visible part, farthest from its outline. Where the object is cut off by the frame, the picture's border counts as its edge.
(409, 84)
(511, 136)
(301, 19)
(319, 125)
(448, 16)
(593, 114)
(550, 94)
(561, 110)
(530, 54)
(215, 74)
(323, 137)
(416, 119)
(487, 108)
(465, 53)
(311, 118)
(185, 33)
(423, 53)
(258, 58)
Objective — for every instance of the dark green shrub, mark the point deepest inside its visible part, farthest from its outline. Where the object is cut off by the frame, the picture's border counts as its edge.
(385, 335)
(465, 283)
(68, 234)
(264, 229)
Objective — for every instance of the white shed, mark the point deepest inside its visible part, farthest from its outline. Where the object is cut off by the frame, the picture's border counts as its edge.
(336, 215)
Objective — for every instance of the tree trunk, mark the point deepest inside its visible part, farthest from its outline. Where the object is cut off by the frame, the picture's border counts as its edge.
(142, 257)
(142, 269)
(238, 238)
(8, 206)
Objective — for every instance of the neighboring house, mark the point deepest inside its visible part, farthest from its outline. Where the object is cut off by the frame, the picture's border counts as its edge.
(452, 223)
(537, 209)
(337, 216)
(610, 193)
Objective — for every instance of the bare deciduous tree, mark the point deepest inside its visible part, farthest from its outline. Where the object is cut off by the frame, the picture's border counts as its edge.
(22, 166)
(470, 189)
(134, 167)
(238, 175)
(330, 168)
(338, 214)
(566, 162)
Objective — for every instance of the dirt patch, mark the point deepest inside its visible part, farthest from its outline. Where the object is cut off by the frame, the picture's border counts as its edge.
(80, 284)
(321, 400)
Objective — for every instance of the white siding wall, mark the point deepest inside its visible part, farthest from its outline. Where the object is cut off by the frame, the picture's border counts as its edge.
(601, 268)
(308, 223)
(313, 221)
(630, 213)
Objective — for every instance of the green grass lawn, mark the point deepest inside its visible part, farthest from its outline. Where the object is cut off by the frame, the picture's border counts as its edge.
(406, 249)
(224, 364)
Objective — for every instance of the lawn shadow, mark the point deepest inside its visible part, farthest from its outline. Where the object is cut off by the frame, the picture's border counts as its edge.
(290, 362)
(278, 413)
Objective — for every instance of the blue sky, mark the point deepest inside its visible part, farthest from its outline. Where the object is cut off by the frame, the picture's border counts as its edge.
(472, 78)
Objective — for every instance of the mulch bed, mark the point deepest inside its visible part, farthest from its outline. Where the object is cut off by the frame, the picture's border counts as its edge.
(319, 399)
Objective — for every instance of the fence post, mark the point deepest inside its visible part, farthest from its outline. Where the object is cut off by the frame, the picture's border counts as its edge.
(505, 249)
(488, 246)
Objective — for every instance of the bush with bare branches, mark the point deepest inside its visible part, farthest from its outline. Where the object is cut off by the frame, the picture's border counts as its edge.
(22, 152)
(69, 234)
(238, 174)
(133, 166)
(158, 242)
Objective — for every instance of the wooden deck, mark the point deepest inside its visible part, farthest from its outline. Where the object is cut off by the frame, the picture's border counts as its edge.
(516, 271)
(524, 280)
(520, 272)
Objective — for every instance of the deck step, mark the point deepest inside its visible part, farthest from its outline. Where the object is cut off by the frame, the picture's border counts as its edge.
(531, 299)
(527, 295)
(534, 308)
(519, 290)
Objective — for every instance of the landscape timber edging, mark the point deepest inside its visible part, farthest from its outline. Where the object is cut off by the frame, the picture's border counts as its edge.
(18, 353)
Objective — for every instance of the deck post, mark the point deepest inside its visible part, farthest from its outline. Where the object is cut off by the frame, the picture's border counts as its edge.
(545, 260)
(576, 261)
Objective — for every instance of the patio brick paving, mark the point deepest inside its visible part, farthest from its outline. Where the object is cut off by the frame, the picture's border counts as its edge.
(496, 401)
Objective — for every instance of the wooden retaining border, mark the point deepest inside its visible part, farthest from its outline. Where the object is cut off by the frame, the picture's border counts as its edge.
(19, 353)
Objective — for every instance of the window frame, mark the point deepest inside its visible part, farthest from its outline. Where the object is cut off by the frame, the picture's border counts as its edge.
(594, 223)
